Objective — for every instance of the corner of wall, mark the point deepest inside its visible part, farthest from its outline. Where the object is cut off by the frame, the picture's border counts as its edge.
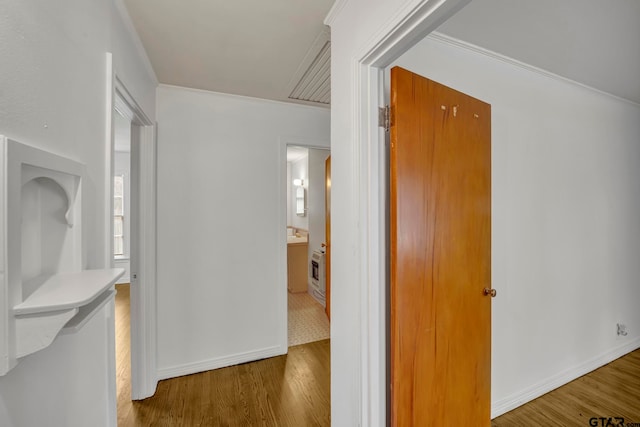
(135, 38)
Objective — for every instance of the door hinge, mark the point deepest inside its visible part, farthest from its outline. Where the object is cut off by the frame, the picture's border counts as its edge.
(384, 121)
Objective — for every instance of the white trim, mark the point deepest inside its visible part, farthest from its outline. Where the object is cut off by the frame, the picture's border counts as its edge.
(126, 104)
(144, 320)
(315, 106)
(283, 142)
(283, 322)
(140, 50)
(109, 160)
(373, 241)
(452, 41)
(412, 23)
(218, 362)
(335, 11)
(528, 394)
(143, 295)
(112, 407)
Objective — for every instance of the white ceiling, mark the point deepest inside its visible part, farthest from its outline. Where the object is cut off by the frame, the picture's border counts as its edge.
(248, 47)
(594, 42)
(262, 48)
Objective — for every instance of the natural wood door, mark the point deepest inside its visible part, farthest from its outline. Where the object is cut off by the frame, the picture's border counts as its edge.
(327, 219)
(440, 235)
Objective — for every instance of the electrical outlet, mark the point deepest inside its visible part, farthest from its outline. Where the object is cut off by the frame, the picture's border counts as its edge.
(622, 329)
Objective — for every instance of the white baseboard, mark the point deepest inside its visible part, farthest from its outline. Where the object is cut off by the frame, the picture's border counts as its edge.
(520, 398)
(220, 362)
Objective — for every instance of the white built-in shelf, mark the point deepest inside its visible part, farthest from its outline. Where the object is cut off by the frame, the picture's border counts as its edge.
(68, 290)
(86, 312)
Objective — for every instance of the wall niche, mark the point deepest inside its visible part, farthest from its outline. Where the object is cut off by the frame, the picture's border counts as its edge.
(42, 278)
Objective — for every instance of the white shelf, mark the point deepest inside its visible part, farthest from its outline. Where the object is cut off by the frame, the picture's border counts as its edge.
(87, 312)
(68, 290)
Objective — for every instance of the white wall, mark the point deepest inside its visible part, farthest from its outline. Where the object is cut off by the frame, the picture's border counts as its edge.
(221, 218)
(316, 200)
(64, 385)
(300, 170)
(565, 207)
(53, 90)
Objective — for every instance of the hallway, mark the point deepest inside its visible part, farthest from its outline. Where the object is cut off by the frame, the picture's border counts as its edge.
(291, 390)
(294, 390)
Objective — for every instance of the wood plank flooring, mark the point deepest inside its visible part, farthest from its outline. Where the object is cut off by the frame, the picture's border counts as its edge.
(291, 390)
(609, 392)
(123, 354)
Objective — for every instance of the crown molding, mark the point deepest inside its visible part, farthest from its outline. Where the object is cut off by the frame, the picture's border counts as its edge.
(335, 11)
(452, 41)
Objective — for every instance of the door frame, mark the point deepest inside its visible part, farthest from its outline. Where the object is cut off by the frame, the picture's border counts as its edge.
(143, 295)
(283, 143)
(415, 21)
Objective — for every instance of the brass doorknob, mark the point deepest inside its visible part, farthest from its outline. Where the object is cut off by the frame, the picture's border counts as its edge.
(491, 292)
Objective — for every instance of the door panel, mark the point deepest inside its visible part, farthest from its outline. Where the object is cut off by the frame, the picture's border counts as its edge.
(440, 235)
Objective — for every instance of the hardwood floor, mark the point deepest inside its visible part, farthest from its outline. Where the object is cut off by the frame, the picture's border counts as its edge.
(123, 355)
(291, 390)
(609, 392)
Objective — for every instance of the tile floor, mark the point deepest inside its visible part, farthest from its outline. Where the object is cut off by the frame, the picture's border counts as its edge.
(307, 319)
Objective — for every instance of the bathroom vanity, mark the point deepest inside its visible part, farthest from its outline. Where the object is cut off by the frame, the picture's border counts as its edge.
(297, 260)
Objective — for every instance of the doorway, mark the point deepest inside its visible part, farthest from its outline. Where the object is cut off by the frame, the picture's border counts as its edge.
(122, 229)
(363, 164)
(440, 240)
(142, 235)
(306, 258)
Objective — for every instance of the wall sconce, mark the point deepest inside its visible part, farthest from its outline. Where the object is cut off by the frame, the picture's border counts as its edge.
(300, 199)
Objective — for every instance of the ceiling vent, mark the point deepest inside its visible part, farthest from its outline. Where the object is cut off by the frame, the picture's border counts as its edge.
(315, 83)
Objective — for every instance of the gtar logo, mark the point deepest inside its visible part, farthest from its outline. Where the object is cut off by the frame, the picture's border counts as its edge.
(606, 422)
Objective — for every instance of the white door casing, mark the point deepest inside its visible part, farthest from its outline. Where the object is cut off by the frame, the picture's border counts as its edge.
(143, 231)
(410, 22)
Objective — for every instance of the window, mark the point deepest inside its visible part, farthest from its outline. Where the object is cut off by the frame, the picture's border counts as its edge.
(118, 215)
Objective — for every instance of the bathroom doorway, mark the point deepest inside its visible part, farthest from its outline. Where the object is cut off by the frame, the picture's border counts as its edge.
(305, 228)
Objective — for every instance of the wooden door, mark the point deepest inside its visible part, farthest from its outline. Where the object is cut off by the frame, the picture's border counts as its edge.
(327, 232)
(440, 236)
